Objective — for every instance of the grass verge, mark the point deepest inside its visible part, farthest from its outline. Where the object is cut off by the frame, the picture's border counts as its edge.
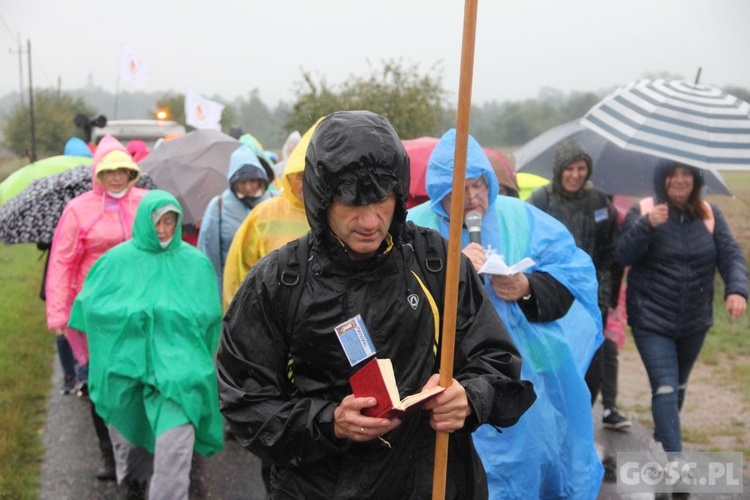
(25, 351)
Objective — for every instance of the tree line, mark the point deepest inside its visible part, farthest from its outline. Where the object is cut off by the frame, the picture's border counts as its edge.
(413, 99)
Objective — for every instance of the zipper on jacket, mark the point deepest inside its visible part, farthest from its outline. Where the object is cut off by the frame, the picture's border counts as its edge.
(685, 246)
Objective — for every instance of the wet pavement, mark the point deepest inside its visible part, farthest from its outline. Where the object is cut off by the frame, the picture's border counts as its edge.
(72, 456)
(636, 439)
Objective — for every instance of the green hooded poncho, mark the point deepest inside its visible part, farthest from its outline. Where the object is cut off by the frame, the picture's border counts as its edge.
(153, 319)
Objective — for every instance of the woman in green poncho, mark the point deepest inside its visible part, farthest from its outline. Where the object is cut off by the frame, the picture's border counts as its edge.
(151, 311)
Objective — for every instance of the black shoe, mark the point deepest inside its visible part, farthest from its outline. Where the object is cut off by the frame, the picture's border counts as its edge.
(135, 490)
(613, 419)
(610, 469)
(106, 473)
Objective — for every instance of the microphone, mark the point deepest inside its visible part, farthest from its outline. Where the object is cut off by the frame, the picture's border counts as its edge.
(473, 221)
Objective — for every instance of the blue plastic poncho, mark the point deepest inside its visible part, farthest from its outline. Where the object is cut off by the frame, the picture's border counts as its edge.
(226, 212)
(550, 452)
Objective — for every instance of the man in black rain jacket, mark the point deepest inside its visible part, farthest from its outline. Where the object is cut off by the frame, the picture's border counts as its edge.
(284, 375)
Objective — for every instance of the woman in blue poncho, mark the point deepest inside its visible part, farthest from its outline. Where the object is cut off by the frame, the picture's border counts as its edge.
(552, 315)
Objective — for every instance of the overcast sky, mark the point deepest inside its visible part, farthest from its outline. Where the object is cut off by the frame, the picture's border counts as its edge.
(228, 47)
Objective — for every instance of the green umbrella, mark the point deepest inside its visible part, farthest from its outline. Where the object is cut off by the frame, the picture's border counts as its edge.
(18, 180)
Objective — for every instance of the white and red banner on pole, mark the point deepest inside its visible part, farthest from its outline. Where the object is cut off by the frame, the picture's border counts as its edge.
(202, 113)
(133, 69)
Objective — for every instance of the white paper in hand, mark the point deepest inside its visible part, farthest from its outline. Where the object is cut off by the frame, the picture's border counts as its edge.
(495, 265)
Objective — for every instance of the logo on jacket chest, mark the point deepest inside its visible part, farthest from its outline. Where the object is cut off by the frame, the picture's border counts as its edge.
(413, 300)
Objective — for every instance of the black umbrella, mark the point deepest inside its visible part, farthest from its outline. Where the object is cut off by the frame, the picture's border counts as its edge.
(616, 170)
(31, 216)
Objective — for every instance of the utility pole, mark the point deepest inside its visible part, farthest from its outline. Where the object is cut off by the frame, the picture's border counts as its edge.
(31, 105)
(20, 52)
(20, 70)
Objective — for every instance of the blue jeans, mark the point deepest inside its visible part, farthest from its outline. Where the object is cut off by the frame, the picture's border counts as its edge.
(668, 361)
(67, 360)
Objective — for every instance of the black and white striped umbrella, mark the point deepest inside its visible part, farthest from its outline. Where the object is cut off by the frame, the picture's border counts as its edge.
(694, 124)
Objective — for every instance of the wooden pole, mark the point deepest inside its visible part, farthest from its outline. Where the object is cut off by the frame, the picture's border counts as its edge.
(454, 236)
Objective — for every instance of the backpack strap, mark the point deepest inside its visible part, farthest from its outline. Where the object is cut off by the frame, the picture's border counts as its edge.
(646, 205)
(710, 222)
(293, 260)
(431, 253)
(540, 197)
(292, 269)
(221, 254)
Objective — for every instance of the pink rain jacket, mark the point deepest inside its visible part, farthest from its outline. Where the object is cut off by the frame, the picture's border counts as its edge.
(90, 224)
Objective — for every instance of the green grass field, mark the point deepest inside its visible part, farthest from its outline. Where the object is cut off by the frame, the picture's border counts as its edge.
(26, 349)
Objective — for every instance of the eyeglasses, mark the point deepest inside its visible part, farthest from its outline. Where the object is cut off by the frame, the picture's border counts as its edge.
(117, 172)
(473, 188)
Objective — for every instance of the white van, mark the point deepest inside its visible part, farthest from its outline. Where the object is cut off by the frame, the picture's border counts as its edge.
(148, 131)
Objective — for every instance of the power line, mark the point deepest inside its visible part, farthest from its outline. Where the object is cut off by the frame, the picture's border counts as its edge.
(12, 33)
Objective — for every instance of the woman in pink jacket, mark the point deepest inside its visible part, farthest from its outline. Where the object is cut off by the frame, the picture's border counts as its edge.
(91, 224)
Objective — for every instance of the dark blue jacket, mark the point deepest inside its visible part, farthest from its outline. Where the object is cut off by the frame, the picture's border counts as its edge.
(671, 282)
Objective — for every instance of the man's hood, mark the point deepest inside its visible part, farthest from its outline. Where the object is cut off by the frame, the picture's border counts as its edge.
(439, 177)
(144, 231)
(358, 157)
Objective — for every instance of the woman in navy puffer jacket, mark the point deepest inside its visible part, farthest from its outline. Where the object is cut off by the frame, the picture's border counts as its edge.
(674, 243)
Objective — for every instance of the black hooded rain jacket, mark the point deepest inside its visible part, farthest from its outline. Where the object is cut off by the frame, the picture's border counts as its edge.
(279, 388)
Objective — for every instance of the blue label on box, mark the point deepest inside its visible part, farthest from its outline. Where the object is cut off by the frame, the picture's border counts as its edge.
(355, 340)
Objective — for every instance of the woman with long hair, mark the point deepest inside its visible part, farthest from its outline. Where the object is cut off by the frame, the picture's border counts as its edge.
(674, 243)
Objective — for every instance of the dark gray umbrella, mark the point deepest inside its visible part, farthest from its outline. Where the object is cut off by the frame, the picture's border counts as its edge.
(616, 170)
(193, 168)
(31, 216)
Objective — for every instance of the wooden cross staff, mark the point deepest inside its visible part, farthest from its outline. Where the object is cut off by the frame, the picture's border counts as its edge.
(454, 236)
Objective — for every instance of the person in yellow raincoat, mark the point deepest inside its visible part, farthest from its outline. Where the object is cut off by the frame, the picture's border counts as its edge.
(270, 225)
